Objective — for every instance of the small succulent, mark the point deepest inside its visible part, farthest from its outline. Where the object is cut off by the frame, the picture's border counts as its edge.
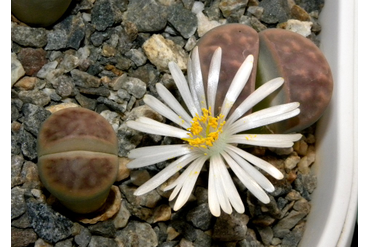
(43, 13)
(307, 75)
(77, 158)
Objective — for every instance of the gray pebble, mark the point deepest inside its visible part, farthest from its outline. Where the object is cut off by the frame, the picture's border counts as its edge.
(121, 108)
(16, 168)
(148, 16)
(104, 14)
(292, 239)
(28, 144)
(137, 234)
(200, 217)
(47, 223)
(98, 241)
(34, 116)
(29, 36)
(183, 20)
(84, 79)
(83, 238)
(230, 227)
(137, 57)
(18, 203)
(273, 12)
(86, 102)
(135, 87)
(103, 228)
(67, 34)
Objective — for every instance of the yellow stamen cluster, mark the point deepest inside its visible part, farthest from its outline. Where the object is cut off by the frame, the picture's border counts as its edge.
(205, 129)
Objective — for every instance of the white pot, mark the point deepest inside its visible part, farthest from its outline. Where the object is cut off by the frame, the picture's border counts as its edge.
(334, 202)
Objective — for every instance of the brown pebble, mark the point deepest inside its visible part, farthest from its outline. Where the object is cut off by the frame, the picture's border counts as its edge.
(299, 13)
(32, 60)
(26, 83)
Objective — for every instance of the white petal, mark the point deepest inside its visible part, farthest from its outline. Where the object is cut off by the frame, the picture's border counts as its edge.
(156, 154)
(266, 140)
(188, 186)
(264, 165)
(213, 203)
(237, 84)
(151, 126)
(213, 77)
(229, 186)
(247, 180)
(172, 102)
(215, 163)
(193, 92)
(165, 111)
(197, 79)
(253, 172)
(254, 98)
(266, 116)
(165, 174)
(154, 150)
(182, 86)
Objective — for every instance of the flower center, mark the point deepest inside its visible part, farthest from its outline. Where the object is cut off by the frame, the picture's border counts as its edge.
(205, 130)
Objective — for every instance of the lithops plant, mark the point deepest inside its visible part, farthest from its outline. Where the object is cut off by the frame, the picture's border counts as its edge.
(77, 158)
(307, 75)
(278, 53)
(42, 13)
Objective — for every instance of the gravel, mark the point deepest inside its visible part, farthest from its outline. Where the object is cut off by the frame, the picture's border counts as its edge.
(103, 55)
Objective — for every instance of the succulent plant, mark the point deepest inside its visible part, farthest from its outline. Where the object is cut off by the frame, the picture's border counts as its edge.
(278, 53)
(307, 75)
(77, 158)
(42, 13)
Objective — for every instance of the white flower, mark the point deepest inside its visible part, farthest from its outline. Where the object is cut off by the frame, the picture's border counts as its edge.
(212, 138)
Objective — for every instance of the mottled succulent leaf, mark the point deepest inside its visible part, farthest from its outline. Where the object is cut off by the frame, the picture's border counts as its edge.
(78, 160)
(307, 75)
(237, 42)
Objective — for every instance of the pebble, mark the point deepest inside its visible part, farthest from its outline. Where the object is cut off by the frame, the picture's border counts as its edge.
(230, 227)
(29, 36)
(17, 70)
(104, 228)
(83, 79)
(34, 116)
(46, 69)
(134, 86)
(16, 168)
(273, 12)
(204, 24)
(67, 34)
(121, 219)
(83, 238)
(137, 234)
(183, 20)
(98, 241)
(26, 83)
(35, 97)
(137, 56)
(161, 51)
(22, 237)
(233, 8)
(148, 16)
(200, 217)
(32, 60)
(301, 27)
(18, 203)
(104, 14)
(47, 223)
